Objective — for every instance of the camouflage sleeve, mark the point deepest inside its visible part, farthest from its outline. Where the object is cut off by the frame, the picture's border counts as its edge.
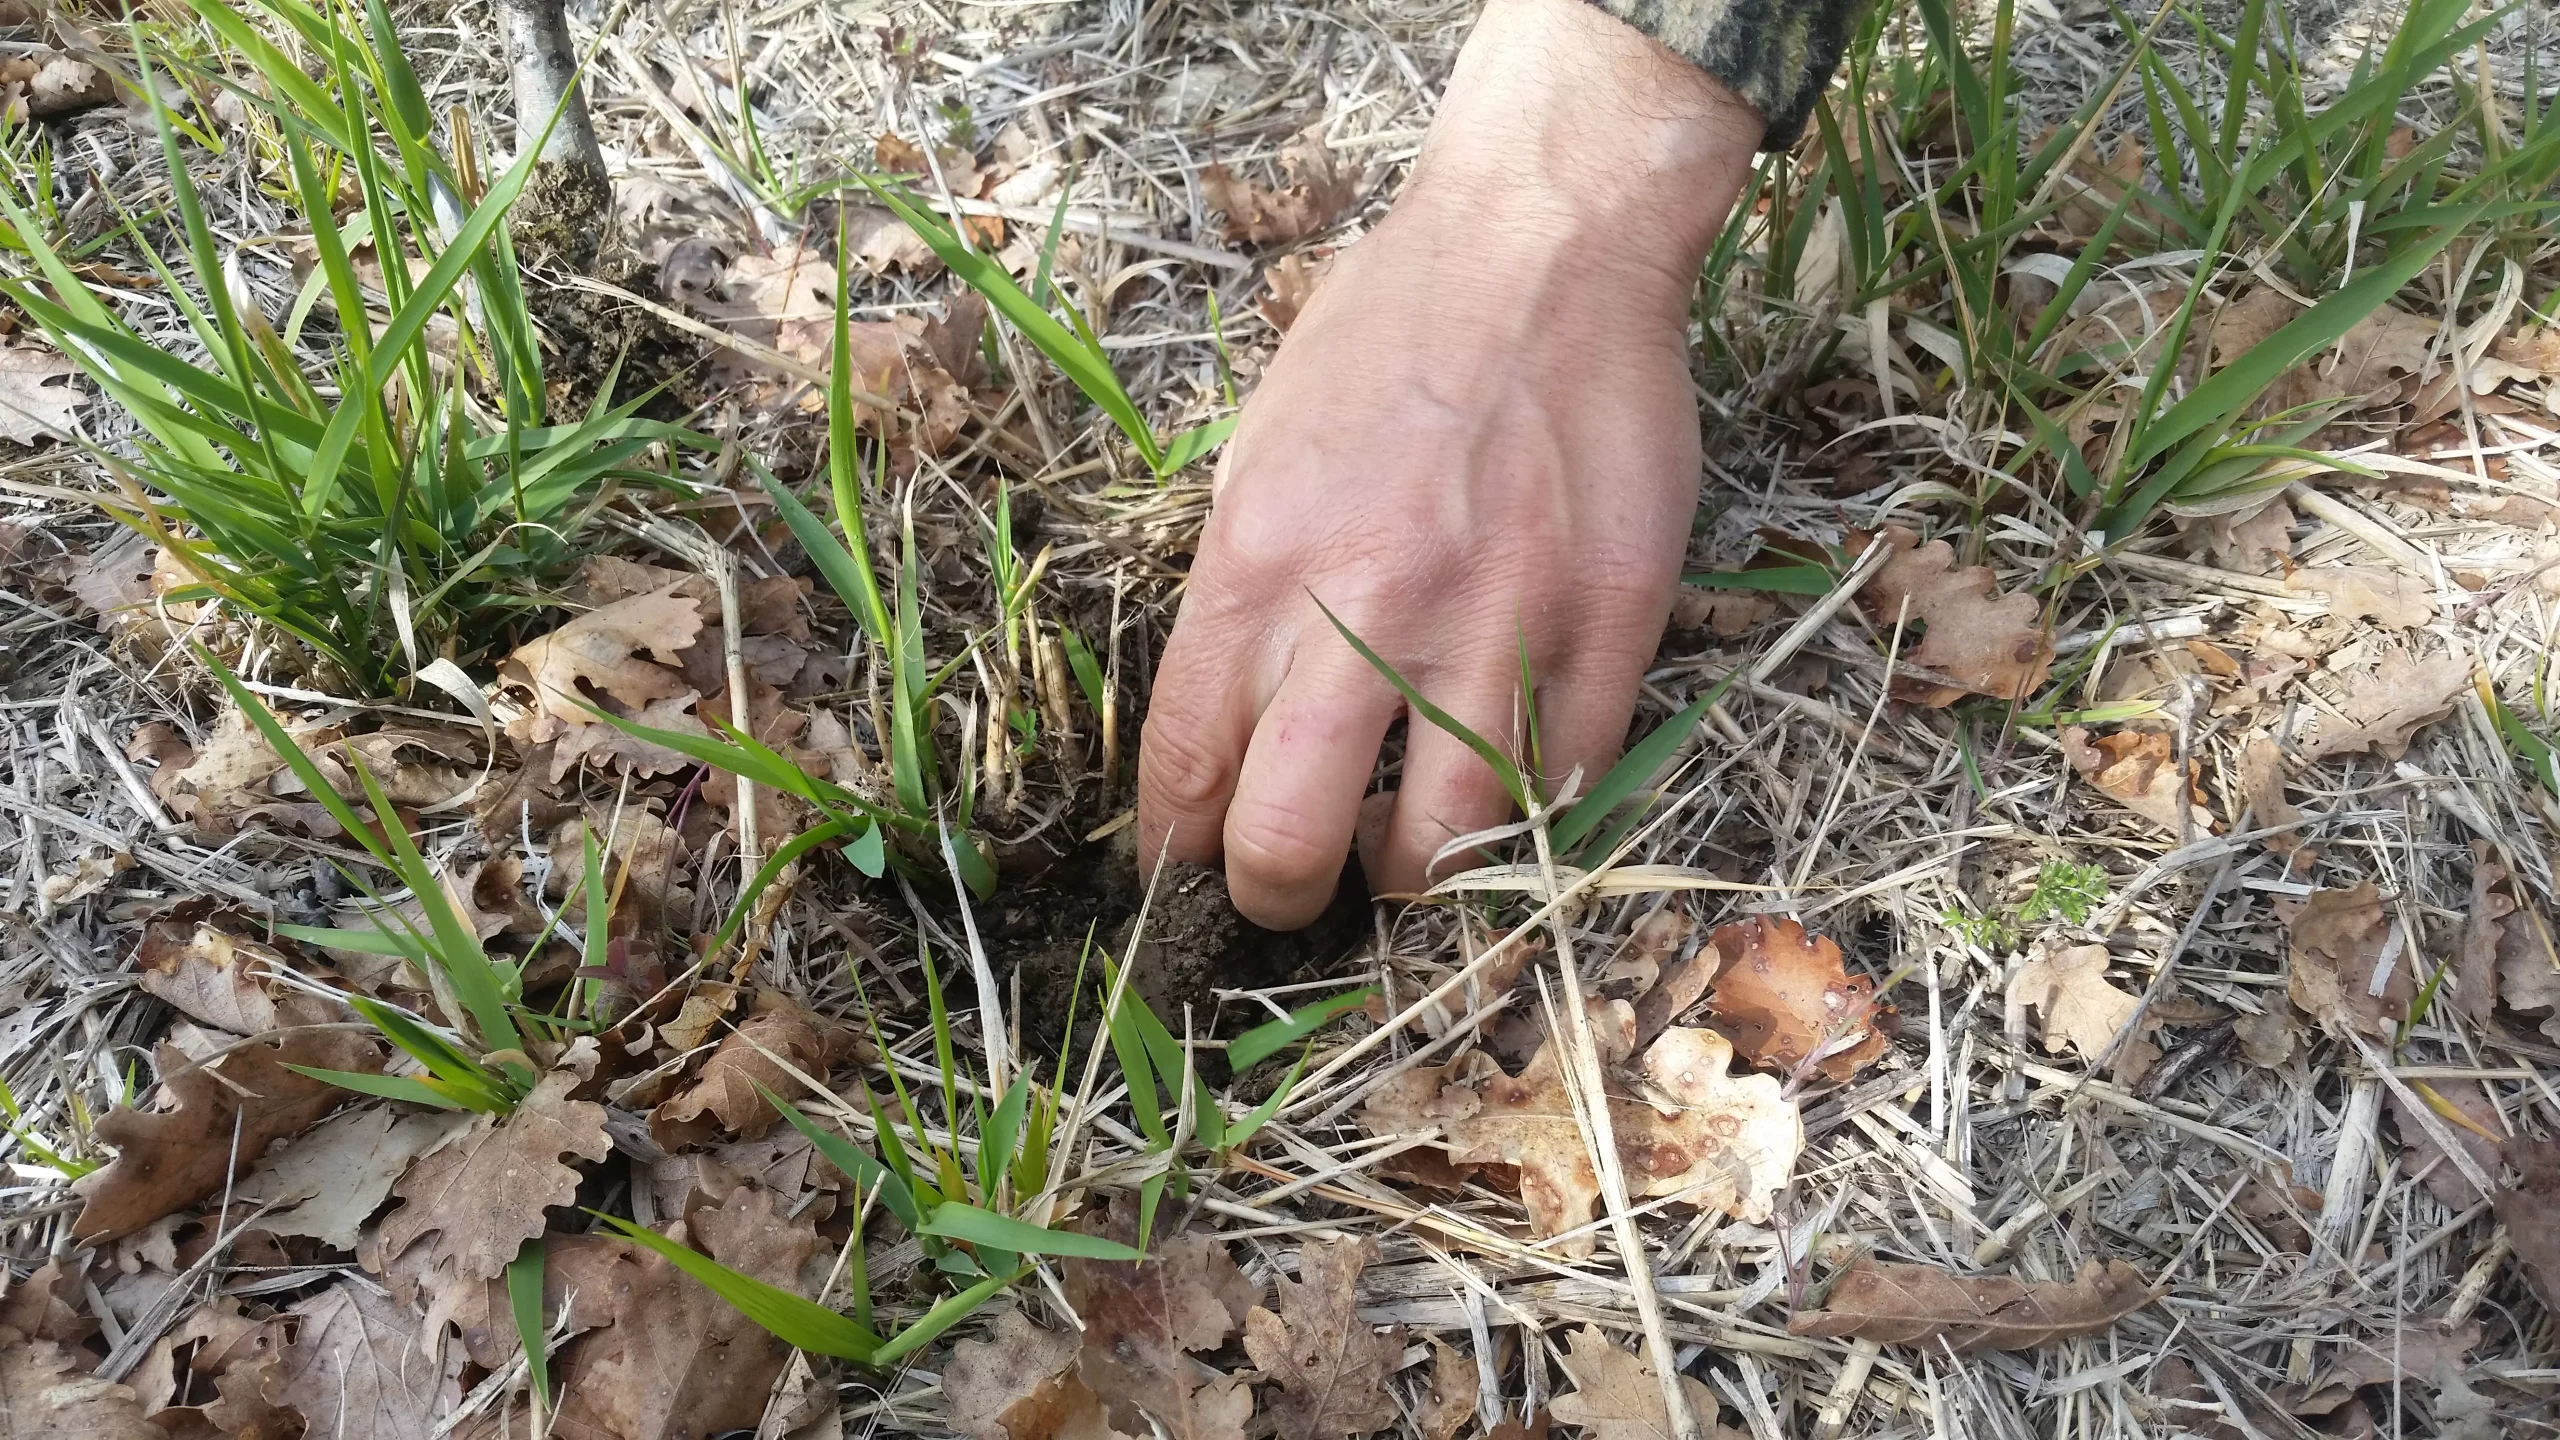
(1777, 54)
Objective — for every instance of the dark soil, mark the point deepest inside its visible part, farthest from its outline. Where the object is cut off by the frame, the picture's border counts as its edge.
(562, 222)
(1194, 942)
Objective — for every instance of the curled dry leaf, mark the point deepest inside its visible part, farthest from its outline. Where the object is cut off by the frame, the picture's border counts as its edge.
(219, 1119)
(1987, 643)
(355, 1370)
(1451, 1401)
(2529, 963)
(329, 1180)
(2530, 1209)
(1021, 1385)
(474, 1203)
(1331, 1367)
(1925, 1305)
(2464, 1112)
(2349, 967)
(724, 1097)
(1320, 189)
(216, 978)
(1142, 1320)
(2386, 706)
(1785, 998)
(2081, 1010)
(232, 1365)
(1289, 284)
(48, 1304)
(2262, 787)
(2139, 770)
(1716, 1140)
(2355, 592)
(1617, 1395)
(2484, 927)
(45, 1395)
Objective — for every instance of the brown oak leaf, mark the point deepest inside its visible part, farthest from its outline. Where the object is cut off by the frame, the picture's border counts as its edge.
(1715, 1139)
(45, 1394)
(1021, 1385)
(1987, 643)
(1143, 1317)
(355, 1370)
(218, 1120)
(1617, 1395)
(2393, 597)
(1321, 189)
(2262, 786)
(231, 1363)
(327, 1181)
(1291, 282)
(2530, 1209)
(2464, 1111)
(724, 1097)
(2081, 1010)
(1925, 1305)
(475, 1202)
(2340, 938)
(1331, 1367)
(2387, 705)
(2138, 770)
(48, 1304)
(2375, 363)
(1784, 998)
(626, 651)
(1451, 1401)
(214, 977)
(2484, 930)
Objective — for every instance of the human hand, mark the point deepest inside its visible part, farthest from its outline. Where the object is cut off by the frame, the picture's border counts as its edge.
(1480, 433)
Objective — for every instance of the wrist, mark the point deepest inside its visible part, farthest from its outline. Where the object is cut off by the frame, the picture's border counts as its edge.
(1572, 130)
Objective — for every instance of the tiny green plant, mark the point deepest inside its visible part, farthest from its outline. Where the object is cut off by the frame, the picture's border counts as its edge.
(64, 1158)
(372, 508)
(2065, 890)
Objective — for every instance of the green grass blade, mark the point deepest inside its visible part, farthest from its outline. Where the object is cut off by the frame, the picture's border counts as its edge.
(933, 1322)
(1634, 768)
(1268, 1039)
(847, 574)
(1503, 768)
(434, 1093)
(953, 1220)
(524, 1297)
(799, 1322)
(1187, 448)
(848, 1157)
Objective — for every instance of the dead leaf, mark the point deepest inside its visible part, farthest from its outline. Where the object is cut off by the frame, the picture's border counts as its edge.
(2354, 592)
(171, 1158)
(626, 651)
(2384, 708)
(55, 85)
(1142, 1320)
(2475, 965)
(1682, 970)
(2267, 1039)
(2249, 542)
(330, 1179)
(2340, 940)
(2464, 1110)
(1987, 643)
(475, 1202)
(2139, 770)
(1290, 283)
(724, 1097)
(1320, 190)
(87, 876)
(2081, 1010)
(234, 771)
(38, 399)
(1020, 1385)
(1331, 1367)
(2098, 189)
(2414, 1354)
(231, 1361)
(2262, 785)
(1617, 1395)
(877, 240)
(1715, 1139)
(678, 1362)
(219, 979)
(1784, 998)
(2530, 1209)
(1533, 1428)
(48, 1304)
(355, 1370)
(45, 1396)
(1925, 1305)
(1451, 1400)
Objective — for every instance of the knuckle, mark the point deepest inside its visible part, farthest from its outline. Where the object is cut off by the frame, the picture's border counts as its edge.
(1180, 774)
(1272, 847)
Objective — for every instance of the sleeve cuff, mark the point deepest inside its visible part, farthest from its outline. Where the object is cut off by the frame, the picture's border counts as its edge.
(1777, 54)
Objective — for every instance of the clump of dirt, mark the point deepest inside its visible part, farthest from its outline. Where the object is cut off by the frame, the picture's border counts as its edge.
(562, 223)
(559, 219)
(1194, 943)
